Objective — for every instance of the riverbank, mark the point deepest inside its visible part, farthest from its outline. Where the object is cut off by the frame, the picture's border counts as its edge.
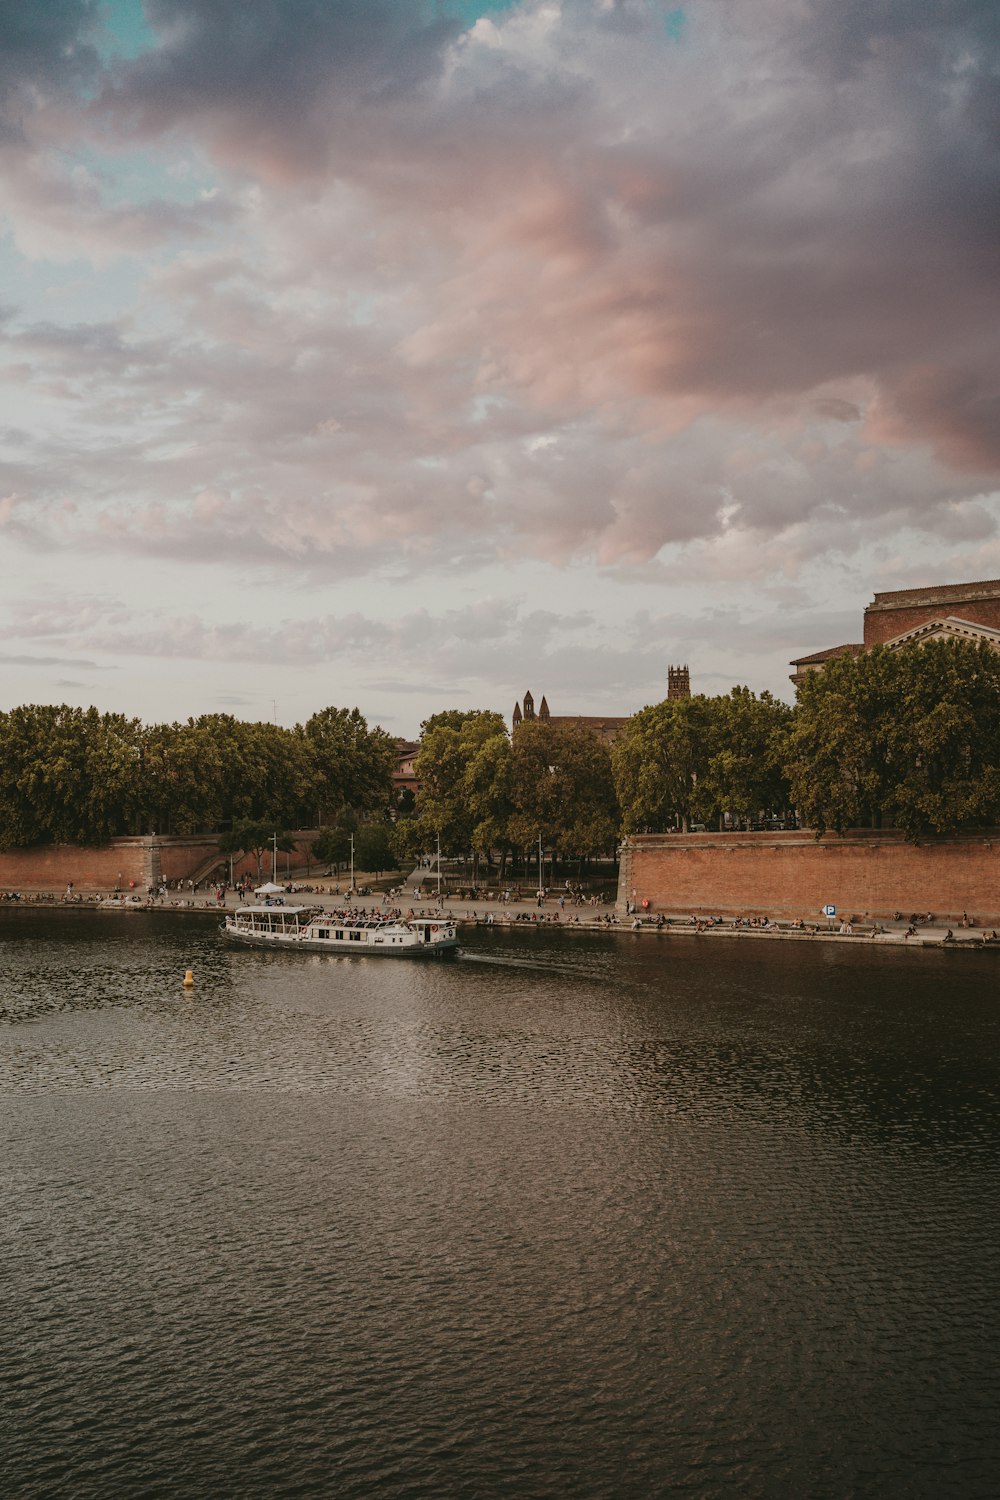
(546, 918)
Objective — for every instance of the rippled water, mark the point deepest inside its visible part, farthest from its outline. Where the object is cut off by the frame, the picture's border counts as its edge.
(576, 1215)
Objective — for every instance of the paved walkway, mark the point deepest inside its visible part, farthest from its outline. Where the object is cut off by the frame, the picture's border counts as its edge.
(527, 912)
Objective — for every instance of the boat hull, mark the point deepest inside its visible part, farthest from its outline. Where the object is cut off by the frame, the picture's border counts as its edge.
(344, 949)
(308, 930)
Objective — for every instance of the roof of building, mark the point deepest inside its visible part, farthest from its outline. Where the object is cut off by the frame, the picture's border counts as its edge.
(936, 593)
(949, 625)
(854, 649)
(604, 726)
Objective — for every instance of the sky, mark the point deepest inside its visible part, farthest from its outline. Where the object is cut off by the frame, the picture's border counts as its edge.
(409, 354)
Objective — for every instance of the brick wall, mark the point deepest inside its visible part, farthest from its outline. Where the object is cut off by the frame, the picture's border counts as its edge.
(884, 623)
(792, 875)
(136, 861)
(52, 867)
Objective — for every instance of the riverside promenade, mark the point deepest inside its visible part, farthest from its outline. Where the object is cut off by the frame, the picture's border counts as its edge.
(527, 914)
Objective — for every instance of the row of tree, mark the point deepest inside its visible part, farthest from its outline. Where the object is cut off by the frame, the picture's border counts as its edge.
(907, 738)
(483, 791)
(71, 775)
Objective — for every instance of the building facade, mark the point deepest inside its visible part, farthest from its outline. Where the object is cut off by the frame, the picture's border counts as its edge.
(902, 617)
(605, 726)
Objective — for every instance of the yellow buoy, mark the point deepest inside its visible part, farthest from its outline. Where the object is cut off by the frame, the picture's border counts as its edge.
(189, 980)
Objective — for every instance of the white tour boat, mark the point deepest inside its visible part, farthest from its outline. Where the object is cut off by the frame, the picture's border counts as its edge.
(311, 930)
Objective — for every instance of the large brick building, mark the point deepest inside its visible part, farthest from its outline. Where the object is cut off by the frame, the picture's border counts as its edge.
(896, 613)
(900, 617)
(604, 726)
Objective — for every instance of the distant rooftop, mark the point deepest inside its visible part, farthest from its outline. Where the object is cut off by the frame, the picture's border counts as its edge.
(937, 593)
(827, 655)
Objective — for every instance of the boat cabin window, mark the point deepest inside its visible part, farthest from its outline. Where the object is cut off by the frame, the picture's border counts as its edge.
(355, 937)
(339, 935)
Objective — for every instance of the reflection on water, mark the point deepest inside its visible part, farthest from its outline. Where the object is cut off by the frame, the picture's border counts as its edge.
(577, 1214)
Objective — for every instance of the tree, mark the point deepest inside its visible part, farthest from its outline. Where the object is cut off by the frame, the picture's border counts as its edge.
(661, 765)
(561, 790)
(839, 765)
(372, 848)
(944, 741)
(748, 749)
(182, 779)
(67, 775)
(910, 737)
(332, 846)
(352, 765)
(487, 792)
(449, 743)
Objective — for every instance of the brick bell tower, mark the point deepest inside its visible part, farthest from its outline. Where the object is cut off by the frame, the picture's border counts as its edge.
(678, 682)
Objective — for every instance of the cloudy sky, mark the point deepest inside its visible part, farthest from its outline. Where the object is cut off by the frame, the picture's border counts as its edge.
(412, 354)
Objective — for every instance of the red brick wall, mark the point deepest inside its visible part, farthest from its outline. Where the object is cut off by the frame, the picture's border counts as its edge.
(792, 875)
(884, 624)
(51, 868)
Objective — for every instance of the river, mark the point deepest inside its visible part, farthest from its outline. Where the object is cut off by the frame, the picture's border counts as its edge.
(577, 1214)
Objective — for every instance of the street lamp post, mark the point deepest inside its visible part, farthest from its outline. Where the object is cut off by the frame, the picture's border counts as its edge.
(352, 864)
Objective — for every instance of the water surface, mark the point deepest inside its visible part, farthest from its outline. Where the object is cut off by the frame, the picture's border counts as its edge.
(578, 1214)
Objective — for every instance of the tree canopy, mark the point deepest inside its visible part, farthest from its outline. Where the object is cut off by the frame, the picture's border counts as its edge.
(696, 759)
(352, 765)
(77, 776)
(909, 737)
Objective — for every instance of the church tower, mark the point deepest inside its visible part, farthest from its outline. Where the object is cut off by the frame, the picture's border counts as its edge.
(529, 706)
(543, 710)
(678, 682)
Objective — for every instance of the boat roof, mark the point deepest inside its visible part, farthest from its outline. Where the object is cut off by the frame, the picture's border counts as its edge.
(335, 919)
(289, 911)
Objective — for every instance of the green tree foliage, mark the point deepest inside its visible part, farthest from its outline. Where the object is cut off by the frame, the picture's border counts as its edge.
(78, 776)
(67, 775)
(910, 737)
(945, 741)
(561, 789)
(181, 779)
(661, 762)
(352, 765)
(449, 744)
(839, 760)
(748, 744)
(216, 769)
(332, 846)
(487, 790)
(373, 849)
(408, 840)
(696, 759)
